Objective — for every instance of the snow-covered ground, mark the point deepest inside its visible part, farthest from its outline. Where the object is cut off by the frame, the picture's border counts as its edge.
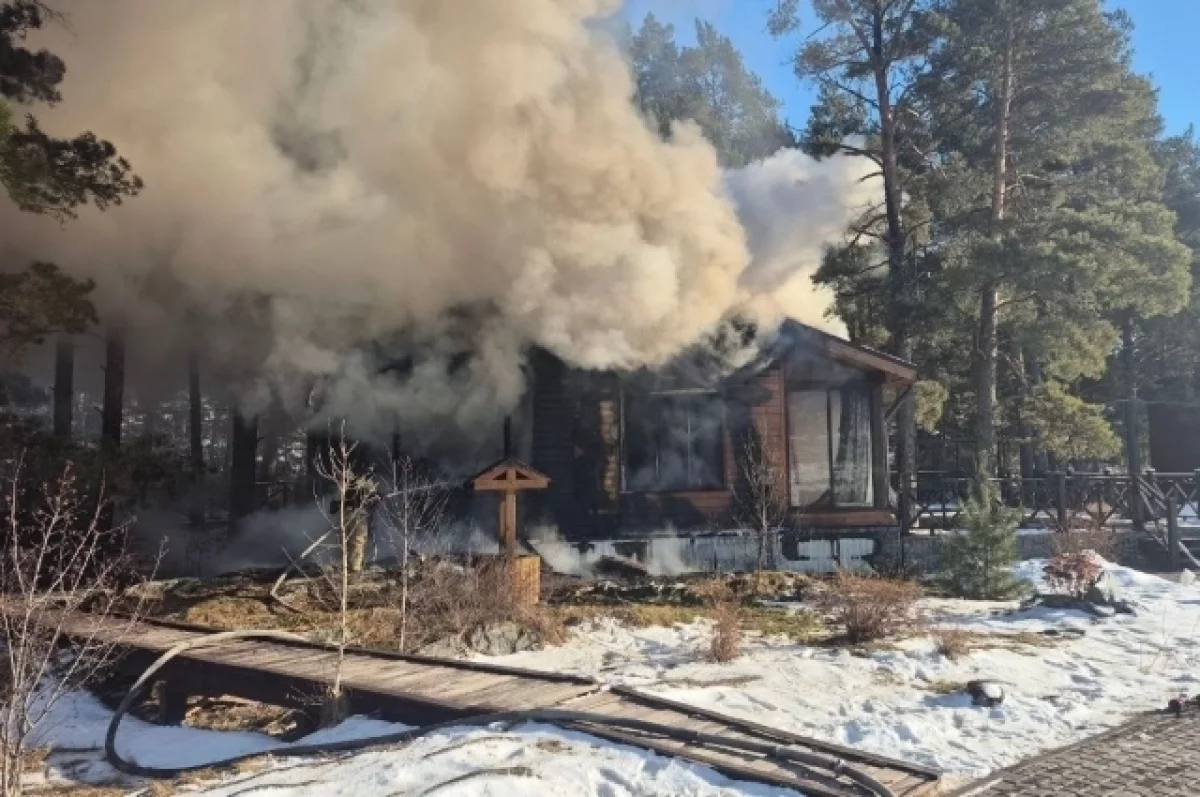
(533, 760)
(891, 701)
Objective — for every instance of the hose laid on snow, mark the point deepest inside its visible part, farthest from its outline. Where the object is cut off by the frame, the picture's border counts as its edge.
(575, 719)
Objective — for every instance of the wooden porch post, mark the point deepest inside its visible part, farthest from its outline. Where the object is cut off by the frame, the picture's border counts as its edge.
(879, 449)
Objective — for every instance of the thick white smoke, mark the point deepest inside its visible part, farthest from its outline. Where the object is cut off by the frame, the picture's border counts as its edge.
(336, 186)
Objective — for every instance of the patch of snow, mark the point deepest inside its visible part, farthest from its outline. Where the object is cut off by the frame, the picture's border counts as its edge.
(533, 759)
(889, 701)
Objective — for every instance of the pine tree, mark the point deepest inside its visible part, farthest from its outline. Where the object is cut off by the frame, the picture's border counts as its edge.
(977, 561)
(1050, 195)
(865, 61)
(710, 85)
(1170, 352)
(46, 175)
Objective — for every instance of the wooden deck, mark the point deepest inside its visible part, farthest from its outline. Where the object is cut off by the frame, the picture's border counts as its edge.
(418, 691)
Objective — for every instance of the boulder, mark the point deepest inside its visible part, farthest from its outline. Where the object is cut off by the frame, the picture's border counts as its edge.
(987, 694)
(502, 639)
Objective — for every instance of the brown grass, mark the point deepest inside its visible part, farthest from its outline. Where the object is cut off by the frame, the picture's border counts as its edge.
(446, 602)
(870, 608)
(726, 642)
(953, 643)
(945, 687)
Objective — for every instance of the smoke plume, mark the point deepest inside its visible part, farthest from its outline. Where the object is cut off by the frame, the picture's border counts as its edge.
(384, 204)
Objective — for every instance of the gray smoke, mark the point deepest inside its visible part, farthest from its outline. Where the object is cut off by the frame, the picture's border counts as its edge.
(381, 205)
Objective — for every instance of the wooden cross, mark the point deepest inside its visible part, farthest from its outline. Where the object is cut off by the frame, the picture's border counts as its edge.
(509, 476)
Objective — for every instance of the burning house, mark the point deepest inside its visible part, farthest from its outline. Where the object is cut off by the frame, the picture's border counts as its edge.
(646, 458)
(653, 464)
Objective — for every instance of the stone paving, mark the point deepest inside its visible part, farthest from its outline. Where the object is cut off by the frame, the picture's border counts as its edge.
(1152, 756)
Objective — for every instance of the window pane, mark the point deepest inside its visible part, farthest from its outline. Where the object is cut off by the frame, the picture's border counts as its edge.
(674, 443)
(808, 421)
(850, 411)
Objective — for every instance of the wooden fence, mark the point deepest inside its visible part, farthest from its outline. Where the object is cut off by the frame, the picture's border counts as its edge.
(1059, 500)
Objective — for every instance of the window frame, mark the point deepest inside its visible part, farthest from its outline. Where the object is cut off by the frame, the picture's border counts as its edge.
(830, 457)
(722, 436)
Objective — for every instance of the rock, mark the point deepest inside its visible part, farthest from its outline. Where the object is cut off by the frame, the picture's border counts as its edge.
(1053, 601)
(1106, 591)
(502, 639)
(1101, 611)
(987, 694)
(443, 649)
(1187, 578)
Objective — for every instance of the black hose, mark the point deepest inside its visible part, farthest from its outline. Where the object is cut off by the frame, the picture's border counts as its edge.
(576, 719)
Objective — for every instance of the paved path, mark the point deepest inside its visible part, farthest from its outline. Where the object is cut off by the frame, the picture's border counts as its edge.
(1151, 756)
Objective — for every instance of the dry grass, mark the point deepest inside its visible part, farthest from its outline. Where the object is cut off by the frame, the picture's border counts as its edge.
(726, 643)
(945, 687)
(234, 714)
(870, 608)
(797, 626)
(953, 643)
(447, 601)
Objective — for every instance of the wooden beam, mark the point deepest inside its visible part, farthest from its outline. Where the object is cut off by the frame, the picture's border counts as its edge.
(879, 449)
(843, 518)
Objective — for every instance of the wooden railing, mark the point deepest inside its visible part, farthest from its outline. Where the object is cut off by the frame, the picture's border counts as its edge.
(1058, 500)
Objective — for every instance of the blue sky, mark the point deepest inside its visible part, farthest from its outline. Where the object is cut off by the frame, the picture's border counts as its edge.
(1164, 43)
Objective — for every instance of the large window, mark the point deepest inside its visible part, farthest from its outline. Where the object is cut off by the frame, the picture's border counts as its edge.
(674, 442)
(830, 446)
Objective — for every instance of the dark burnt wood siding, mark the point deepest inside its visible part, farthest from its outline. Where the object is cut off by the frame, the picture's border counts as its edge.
(770, 418)
(553, 444)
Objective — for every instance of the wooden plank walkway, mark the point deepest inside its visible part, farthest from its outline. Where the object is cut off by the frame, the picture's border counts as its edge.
(419, 690)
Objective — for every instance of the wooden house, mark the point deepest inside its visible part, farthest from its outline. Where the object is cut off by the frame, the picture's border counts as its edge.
(631, 455)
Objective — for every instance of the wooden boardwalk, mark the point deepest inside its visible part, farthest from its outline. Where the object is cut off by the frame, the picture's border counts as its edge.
(419, 691)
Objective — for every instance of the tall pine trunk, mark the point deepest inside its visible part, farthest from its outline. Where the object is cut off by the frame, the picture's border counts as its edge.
(987, 340)
(64, 386)
(243, 448)
(113, 411)
(112, 416)
(195, 416)
(899, 277)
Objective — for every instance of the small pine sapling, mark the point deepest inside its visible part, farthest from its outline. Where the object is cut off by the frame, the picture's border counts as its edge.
(977, 561)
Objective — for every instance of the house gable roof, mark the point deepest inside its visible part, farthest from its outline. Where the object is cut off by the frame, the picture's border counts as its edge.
(793, 334)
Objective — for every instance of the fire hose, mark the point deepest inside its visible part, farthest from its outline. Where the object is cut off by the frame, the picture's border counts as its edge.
(578, 720)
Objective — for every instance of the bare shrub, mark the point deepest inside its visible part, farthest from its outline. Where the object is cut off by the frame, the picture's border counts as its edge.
(450, 600)
(726, 642)
(415, 507)
(338, 553)
(727, 633)
(1073, 574)
(62, 615)
(762, 501)
(870, 607)
(953, 643)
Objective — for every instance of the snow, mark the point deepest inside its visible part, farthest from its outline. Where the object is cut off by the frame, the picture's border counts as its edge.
(535, 760)
(890, 701)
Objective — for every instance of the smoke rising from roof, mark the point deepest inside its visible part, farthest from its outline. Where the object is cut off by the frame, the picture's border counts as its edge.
(389, 201)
